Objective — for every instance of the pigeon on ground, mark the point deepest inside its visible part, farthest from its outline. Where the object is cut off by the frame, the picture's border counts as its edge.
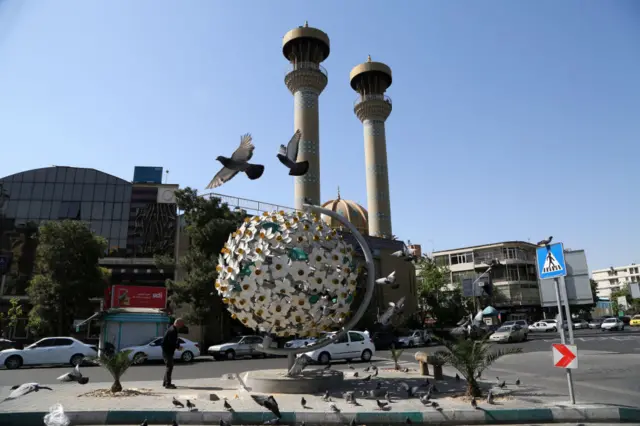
(269, 403)
(389, 279)
(457, 377)
(288, 155)
(237, 163)
(74, 376)
(226, 405)
(175, 423)
(408, 421)
(326, 396)
(22, 390)
(474, 403)
(303, 402)
(334, 408)
(144, 423)
(177, 403)
(435, 404)
(503, 384)
(355, 374)
(387, 396)
(353, 422)
(224, 423)
(366, 379)
(545, 242)
(190, 405)
(381, 405)
(518, 382)
(328, 366)
(490, 397)
(425, 398)
(378, 392)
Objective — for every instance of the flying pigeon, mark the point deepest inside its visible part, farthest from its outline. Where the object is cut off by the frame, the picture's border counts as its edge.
(269, 403)
(22, 390)
(408, 253)
(389, 279)
(74, 376)
(545, 242)
(237, 163)
(288, 155)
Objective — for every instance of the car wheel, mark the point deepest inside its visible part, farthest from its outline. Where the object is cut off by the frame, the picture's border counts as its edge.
(411, 344)
(76, 359)
(366, 355)
(187, 356)
(526, 336)
(230, 354)
(324, 358)
(13, 362)
(554, 329)
(139, 358)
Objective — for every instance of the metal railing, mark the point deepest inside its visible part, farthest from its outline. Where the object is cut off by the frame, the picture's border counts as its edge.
(306, 66)
(372, 97)
(500, 257)
(252, 206)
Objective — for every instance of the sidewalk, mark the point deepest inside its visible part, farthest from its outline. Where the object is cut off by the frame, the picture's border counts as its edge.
(519, 404)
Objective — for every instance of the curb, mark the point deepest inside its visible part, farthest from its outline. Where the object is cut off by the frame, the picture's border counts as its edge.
(429, 416)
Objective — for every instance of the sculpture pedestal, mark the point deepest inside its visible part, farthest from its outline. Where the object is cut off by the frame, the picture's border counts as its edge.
(309, 382)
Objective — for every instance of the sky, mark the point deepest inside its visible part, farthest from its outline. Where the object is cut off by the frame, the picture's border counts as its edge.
(511, 120)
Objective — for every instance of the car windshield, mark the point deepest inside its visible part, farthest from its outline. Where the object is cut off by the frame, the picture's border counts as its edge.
(235, 339)
(636, 317)
(505, 329)
(151, 341)
(610, 320)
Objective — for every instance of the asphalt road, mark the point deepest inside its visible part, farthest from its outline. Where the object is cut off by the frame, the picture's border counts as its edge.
(608, 369)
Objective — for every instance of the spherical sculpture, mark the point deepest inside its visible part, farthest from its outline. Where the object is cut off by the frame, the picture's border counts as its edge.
(287, 274)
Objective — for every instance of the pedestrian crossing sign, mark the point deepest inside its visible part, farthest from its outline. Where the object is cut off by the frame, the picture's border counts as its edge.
(551, 263)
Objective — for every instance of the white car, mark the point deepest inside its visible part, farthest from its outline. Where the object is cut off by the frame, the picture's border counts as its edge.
(522, 323)
(544, 326)
(611, 324)
(299, 343)
(352, 345)
(51, 350)
(415, 338)
(153, 350)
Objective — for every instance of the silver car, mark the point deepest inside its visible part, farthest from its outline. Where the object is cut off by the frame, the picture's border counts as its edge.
(414, 338)
(238, 347)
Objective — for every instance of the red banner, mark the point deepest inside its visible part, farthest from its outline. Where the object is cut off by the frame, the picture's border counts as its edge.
(131, 296)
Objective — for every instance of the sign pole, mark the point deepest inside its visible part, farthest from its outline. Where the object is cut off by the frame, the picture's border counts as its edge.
(556, 282)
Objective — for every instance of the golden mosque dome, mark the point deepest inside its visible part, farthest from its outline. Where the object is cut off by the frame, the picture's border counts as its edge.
(354, 212)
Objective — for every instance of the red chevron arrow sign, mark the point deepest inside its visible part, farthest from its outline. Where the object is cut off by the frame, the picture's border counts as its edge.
(565, 356)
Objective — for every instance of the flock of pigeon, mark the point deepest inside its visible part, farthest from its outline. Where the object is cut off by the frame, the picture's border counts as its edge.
(239, 161)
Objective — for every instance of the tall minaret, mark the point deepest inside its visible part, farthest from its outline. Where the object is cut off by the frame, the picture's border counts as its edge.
(305, 48)
(371, 80)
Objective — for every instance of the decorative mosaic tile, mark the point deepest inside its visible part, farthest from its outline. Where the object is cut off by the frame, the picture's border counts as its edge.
(305, 99)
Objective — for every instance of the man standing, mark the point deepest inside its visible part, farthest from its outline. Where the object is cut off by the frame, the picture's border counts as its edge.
(170, 343)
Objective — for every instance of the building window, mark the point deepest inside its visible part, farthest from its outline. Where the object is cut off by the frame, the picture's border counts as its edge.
(442, 260)
(461, 258)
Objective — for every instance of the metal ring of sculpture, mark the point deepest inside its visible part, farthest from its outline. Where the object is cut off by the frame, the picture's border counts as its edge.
(281, 304)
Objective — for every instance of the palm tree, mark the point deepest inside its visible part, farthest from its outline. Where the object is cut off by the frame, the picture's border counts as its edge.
(395, 354)
(471, 358)
(116, 364)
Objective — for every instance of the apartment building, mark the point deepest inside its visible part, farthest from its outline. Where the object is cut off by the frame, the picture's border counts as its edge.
(614, 278)
(515, 281)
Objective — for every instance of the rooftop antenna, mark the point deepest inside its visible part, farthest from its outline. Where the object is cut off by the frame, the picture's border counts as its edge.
(166, 174)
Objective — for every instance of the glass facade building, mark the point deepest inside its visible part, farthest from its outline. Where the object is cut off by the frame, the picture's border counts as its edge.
(135, 220)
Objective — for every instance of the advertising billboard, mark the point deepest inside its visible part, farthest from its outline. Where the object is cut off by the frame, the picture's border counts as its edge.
(131, 296)
(577, 282)
(142, 174)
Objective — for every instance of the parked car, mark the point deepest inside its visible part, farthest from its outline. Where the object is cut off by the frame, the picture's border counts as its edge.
(596, 323)
(543, 326)
(352, 345)
(413, 338)
(153, 350)
(48, 351)
(509, 334)
(635, 321)
(7, 344)
(298, 343)
(477, 332)
(237, 347)
(522, 323)
(611, 324)
(580, 324)
(384, 339)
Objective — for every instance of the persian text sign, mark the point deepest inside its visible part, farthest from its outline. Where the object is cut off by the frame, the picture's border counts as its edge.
(131, 296)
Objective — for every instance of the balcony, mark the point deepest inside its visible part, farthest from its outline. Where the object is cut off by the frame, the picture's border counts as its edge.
(306, 66)
(481, 260)
(372, 97)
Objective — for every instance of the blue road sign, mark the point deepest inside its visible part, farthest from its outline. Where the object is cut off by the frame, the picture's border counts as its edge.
(551, 263)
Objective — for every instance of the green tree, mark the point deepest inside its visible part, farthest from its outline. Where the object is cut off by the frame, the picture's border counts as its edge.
(625, 291)
(67, 275)
(437, 300)
(208, 223)
(471, 358)
(10, 319)
(116, 364)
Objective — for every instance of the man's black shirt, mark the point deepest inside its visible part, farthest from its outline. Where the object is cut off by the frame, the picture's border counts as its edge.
(170, 341)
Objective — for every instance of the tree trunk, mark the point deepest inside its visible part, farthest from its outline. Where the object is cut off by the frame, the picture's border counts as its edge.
(60, 322)
(116, 386)
(472, 387)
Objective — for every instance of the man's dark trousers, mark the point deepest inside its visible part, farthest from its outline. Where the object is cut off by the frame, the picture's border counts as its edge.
(167, 357)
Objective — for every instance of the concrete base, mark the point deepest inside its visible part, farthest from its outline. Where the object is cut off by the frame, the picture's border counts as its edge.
(309, 382)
